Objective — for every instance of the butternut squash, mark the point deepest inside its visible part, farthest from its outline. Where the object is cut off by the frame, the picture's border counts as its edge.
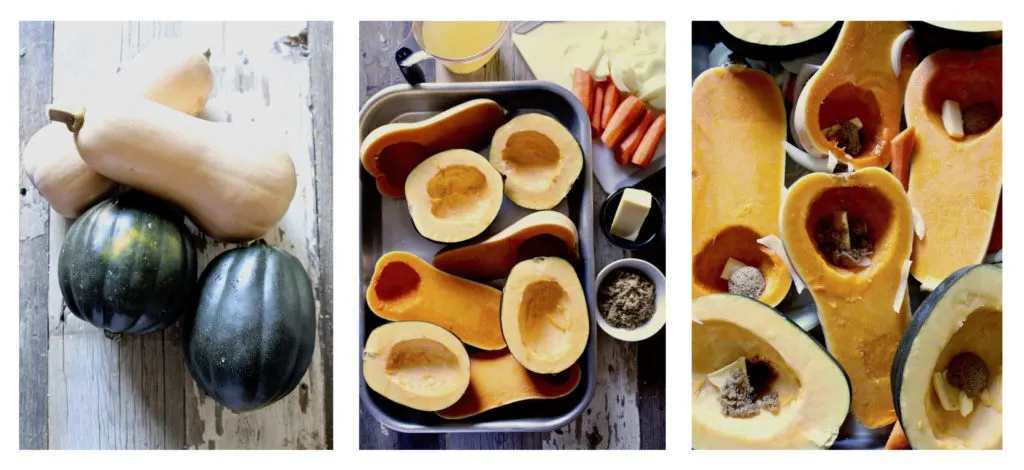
(171, 72)
(406, 288)
(543, 233)
(496, 379)
(857, 80)
(848, 237)
(739, 124)
(390, 152)
(955, 183)
(233, 180)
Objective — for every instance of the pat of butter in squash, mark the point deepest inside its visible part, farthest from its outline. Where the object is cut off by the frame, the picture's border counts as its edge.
(952, 119)
(948, 396)
(901, 292)
(731, 265)
(721, 376)
(966, 404)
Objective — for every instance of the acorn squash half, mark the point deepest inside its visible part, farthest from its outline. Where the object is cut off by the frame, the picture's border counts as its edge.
(453, 196)
(739, 124)
(544, 315)
(954, 183)
(857, 80)
(779, 40)
(416, 364)
(858, 285)
(540, 159)
(962, 316)
(542, 233)
(805, 391)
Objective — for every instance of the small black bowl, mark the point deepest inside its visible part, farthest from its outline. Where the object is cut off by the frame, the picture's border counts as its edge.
(648, 231)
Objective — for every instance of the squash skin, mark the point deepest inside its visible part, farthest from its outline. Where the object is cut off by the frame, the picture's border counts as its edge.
(253, 333)
(128, 265)
(233, 180)
(855, 307)
(739, 124)
(861, 58)
(496, 379)
(542, 233)
(466, 126)
(406, 288)
(169, 72)
(921, 316)
(955, 185)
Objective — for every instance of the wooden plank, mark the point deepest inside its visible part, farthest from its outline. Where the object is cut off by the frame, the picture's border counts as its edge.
(378, 41)
(35, 86)
(321, 46)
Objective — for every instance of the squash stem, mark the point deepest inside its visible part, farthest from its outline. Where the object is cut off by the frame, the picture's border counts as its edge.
(70, 118)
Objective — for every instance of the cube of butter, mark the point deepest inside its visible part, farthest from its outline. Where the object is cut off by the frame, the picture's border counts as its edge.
(631, 213)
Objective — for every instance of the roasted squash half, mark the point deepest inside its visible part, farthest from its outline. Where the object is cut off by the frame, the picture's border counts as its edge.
(857, 80)
(848, 237)
(955, 183)
(739, 124)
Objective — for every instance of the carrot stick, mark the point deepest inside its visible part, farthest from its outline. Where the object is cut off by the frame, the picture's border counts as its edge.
(595, 114)
(645, 152)
(628, 146)
(902, 148)
(611, 101)
(583, 87)
(897, 440)
(628, 112)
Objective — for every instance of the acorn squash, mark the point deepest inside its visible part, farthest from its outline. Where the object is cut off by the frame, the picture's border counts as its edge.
(252, 336)
(453, 196)
(542, 233)
(540, 159)
(973, 35)
(416, 364)
(849, 237)
(544, 315)
(760, 381)
(739, 124)
(391, 151)
(955, 183)
(496, 379)
(406, 288)
(857, 80)
(779, 40)
(962, 317)
(128, 265)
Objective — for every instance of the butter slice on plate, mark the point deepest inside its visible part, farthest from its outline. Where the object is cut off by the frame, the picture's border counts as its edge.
(631, 213)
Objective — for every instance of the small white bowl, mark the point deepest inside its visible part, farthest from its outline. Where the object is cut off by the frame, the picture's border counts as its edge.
(656, 322)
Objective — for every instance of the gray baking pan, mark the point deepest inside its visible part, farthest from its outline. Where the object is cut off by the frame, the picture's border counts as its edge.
(385, 226)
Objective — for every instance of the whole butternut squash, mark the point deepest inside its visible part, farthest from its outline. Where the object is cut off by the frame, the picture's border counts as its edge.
(233, 180)
(171, 72)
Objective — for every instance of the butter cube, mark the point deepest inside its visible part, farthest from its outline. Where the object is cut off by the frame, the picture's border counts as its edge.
(730, 267)
(948, 395)
(723, 376)
(631, 213)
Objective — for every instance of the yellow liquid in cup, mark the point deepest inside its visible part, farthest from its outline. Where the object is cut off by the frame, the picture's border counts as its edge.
(459, 40)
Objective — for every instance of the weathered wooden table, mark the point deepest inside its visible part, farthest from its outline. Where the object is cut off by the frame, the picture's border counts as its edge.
(628, 407)
(79, 389)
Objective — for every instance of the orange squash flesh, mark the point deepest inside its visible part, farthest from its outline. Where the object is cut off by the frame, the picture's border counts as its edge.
(855, 305)
(856, 81)
(954, 184)
(391, 151)
(739, 124)
(543, 233)
(496, 379)
(406, 288)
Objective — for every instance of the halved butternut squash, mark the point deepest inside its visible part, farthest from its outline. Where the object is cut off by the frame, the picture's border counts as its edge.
(955, 183)
(739, 124)
(543, 233)
(848, 237)
(496, 379)
(857, 80)
(390, 152)
(406, 288)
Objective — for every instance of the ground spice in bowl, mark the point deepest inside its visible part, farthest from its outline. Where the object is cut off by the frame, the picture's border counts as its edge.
(626, 299)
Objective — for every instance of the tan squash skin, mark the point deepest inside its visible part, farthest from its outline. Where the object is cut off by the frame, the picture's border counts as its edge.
(233, 180)
(170, 72)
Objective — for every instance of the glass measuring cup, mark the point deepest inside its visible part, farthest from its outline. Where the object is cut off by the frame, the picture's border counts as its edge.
(461, 46)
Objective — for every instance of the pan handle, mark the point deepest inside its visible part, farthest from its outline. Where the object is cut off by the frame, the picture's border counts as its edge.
(408, 58)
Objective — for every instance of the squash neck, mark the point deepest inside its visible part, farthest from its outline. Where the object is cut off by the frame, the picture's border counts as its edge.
(72, 119)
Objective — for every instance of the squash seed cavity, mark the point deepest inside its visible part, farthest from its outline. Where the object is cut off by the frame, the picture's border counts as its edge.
(846, 135)
(748, 390)
(846, 241)
(456, 190)
(531, 152)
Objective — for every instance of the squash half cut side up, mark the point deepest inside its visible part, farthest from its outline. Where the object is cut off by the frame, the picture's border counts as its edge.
(855, 303)
(954, 183)
(857, 80)
(739, 124)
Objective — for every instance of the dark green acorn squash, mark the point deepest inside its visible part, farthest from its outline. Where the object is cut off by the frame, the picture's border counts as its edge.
(252, 336)
(128, 265)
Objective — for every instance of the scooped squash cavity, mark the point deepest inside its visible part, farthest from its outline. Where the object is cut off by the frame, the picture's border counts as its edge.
(453, 196)
(540, 159)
